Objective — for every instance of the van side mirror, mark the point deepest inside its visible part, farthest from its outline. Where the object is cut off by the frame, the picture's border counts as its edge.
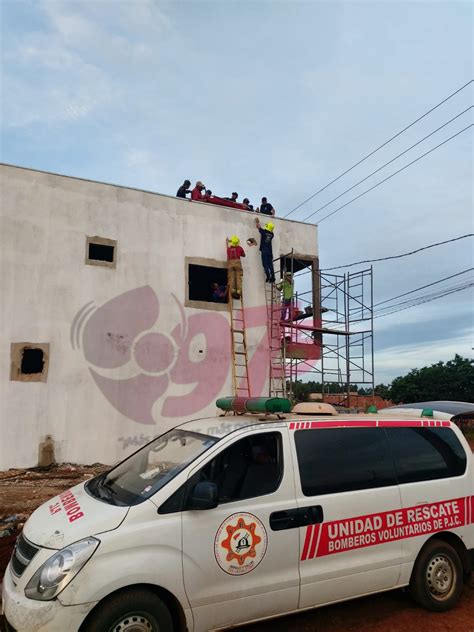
(203, 496)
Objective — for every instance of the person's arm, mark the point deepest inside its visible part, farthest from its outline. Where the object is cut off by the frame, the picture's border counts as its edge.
(242, 252)
(273, 211)
(257, 223)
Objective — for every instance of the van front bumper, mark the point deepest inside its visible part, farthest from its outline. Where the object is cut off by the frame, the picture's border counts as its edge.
(28, 615)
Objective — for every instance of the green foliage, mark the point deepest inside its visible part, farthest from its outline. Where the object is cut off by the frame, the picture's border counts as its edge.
(452, 380)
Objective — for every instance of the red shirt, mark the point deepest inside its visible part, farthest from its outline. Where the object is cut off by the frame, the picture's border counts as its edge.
(235, 252)
(196, 194)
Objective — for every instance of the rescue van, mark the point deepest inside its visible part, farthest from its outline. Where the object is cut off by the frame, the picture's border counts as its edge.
(244, 517)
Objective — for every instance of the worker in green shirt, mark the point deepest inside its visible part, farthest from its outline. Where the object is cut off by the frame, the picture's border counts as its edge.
(286, 287)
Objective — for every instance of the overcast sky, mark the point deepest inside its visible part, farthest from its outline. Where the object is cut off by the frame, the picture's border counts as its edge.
(267, 98)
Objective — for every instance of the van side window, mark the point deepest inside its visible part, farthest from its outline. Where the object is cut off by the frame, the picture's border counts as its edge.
(248, 468)
(333, 460)
(423, 454)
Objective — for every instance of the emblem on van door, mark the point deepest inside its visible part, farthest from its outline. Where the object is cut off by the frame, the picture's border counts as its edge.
(240, 543)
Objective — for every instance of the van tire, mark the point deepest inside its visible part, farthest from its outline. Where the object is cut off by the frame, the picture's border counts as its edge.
(437, 578)
(136, 603)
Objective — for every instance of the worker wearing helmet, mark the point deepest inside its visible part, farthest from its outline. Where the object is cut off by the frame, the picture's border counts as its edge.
(266, 237)
(234, 266)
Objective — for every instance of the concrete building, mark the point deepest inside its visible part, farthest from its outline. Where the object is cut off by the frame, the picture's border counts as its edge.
(109, 334)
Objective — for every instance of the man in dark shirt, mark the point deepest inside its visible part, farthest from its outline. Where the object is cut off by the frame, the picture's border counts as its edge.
(266, 208)
(233, 198)
(246, 202)
(184, 189)
(266, 237)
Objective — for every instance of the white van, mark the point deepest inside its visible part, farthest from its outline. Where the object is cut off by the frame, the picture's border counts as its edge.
(228, 520)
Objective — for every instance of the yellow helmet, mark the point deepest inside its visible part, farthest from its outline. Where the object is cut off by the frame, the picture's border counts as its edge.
(234, 241)
(269, 227)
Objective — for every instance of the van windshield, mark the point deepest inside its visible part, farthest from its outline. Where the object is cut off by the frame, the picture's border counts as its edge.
(141, 475)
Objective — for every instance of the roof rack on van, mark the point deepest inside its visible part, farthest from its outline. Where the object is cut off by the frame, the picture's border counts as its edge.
(241, 405)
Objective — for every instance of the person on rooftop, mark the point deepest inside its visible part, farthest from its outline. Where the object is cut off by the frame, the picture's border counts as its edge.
(184, 189)
(266, 208)
(266, 237)
(246, 203)
(233, 198)
(197, 193)
(234, 266)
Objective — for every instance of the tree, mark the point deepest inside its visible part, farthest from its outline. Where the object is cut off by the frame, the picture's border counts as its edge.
(452, 380)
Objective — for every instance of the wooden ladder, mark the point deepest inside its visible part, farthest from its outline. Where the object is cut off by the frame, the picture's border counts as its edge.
(277, 378)
(240, 370)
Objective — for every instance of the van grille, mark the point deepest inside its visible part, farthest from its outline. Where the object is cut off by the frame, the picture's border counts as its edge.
(23, 553)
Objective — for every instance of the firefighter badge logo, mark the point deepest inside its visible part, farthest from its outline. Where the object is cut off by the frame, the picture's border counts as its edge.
(240, 543)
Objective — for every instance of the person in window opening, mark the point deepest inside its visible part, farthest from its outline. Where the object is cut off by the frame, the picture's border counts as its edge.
(266, 237)
(234, 266)
(233, 198)
(286, 287)
(219, 293)
(184, 189)
(246, 202)
(197, 193)
(266, 208)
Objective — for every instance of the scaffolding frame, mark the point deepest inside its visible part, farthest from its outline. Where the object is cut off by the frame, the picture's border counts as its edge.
(333, 321)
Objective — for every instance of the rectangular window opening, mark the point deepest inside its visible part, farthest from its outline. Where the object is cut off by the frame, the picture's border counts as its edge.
(207, 283)
(32, 361)
(101, 252)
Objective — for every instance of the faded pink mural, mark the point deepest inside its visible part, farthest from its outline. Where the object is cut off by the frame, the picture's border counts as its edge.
(126, 331)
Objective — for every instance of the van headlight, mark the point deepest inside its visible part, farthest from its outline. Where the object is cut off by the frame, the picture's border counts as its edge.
(56, 573)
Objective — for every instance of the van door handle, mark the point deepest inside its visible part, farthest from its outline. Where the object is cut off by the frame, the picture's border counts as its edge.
(297, 517)
(280, 520)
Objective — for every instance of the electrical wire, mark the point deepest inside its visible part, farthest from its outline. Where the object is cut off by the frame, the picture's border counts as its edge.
(389, 162)
(380, 147)
(423, 287)
(395, 173)
(405, 254)
(421, 297)
(460, 289)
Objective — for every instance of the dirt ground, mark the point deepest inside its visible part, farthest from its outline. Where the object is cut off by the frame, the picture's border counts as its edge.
(21, 491)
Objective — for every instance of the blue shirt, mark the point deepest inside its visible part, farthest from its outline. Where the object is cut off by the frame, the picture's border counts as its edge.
(266, 241)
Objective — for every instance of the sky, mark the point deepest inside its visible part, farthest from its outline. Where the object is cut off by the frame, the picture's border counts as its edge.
(267, 98)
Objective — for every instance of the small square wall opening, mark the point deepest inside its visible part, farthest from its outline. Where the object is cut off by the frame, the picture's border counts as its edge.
(101, 251)
(29, 361)
(32, 361)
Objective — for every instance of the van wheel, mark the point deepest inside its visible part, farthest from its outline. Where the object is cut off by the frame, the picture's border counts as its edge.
(135, 610)
(437, 579)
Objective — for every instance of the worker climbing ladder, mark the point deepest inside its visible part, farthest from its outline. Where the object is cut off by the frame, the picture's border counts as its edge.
(240, 370)
(277, 378)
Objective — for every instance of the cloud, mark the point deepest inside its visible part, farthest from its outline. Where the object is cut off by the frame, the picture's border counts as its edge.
(400, 359)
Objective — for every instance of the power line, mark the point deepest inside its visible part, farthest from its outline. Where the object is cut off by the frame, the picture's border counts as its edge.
(388, 163)
(406, 254)
(394, 174)
(415, 299)
(423, 287)
(380, 147)
(453, 291)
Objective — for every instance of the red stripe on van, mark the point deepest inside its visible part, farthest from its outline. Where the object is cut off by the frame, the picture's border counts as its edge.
(292, 425)
(307, 540)
(344, 424)
(400, 424)
(472, 509)
(314, 541)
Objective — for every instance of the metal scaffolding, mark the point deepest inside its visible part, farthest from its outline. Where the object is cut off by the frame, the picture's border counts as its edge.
(328, 337)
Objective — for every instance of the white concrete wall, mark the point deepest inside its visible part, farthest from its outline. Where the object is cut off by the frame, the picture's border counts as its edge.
(44, 283)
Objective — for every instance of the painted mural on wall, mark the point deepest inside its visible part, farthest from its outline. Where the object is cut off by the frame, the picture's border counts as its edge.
(148, 372)
(135, 364)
